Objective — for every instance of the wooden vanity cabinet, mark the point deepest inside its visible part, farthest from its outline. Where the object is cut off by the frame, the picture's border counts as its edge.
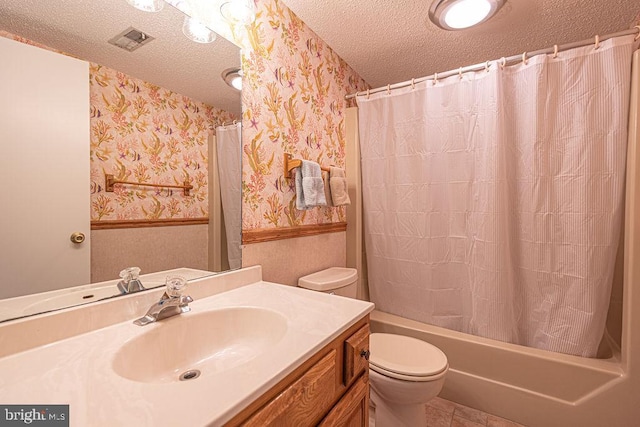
(352, 410)
(330, 389)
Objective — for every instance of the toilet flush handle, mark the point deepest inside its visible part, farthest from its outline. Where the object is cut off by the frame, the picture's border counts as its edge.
(365, 354)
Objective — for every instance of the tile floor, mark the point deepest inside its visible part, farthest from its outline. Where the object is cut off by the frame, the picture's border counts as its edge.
(444, 413)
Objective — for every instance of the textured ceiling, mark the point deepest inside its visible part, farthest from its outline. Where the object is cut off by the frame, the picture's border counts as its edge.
(393, 41)
(384, 41)
(83, 27)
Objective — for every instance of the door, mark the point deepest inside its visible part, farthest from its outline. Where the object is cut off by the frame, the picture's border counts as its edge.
(44, 170)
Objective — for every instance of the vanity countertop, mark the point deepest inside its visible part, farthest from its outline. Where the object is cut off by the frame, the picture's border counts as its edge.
(79, 371)
(27, 305)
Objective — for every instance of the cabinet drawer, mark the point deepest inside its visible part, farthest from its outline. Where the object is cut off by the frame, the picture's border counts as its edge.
(305, 401)
(356, 354)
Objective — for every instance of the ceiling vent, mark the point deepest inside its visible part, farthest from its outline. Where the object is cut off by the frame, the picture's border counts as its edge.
(131, 39)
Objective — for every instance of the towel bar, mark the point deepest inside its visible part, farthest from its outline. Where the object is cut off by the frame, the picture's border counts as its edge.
(290, 164)
(110, 181)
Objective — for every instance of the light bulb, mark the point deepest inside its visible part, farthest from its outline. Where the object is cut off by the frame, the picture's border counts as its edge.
(197, 31)
(460, 14)
(237, 82)
(238, 11)
(147, 5)
(466, 13)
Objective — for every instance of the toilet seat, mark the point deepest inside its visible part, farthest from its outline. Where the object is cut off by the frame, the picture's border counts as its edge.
(406, 358)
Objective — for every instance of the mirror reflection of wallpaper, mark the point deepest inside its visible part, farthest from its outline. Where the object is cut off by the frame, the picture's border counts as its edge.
(293, 101)
(145, 133)
(20, 39)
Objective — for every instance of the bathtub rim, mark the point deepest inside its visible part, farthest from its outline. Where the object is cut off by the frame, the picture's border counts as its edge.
(610, 364)
(605, 371)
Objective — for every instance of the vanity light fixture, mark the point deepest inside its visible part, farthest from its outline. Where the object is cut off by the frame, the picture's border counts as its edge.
(147, 5)
(191, 27)
(196, 31)
(233, 77)
(238, 11)
(461, 14)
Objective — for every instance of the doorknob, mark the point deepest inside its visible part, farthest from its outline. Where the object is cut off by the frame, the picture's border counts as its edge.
(77, 237)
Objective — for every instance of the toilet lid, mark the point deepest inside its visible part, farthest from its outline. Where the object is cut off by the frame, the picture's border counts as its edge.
(406, 356)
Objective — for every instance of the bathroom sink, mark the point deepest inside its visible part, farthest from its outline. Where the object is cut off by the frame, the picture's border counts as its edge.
(188, 345)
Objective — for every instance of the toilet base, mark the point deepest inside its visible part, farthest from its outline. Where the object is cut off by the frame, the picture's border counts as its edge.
(389, 414)
(400, 403)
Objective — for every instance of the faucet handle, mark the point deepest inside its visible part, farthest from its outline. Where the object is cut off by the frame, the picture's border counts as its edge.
(130, 273)
(176, 286)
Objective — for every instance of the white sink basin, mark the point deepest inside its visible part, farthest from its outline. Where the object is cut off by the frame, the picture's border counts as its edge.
(210, 342)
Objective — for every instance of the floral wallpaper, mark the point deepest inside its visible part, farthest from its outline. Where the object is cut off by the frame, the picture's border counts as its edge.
(293, 101)
(24, 40)
(145, 133)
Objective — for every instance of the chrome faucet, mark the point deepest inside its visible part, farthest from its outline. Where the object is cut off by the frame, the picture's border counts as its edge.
(130, 281)
(171, 303)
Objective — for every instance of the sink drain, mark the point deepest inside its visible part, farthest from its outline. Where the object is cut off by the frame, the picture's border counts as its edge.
(189, 375)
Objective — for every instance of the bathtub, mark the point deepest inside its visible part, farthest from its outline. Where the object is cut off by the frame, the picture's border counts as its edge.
(530, 386)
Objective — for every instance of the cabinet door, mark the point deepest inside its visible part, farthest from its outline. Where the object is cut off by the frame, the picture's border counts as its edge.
(305, 401)
(356, 354)
(353, 409)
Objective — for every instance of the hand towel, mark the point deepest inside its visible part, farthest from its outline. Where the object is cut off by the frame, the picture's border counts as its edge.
(327, 188)
(309, 186)
(339, 190)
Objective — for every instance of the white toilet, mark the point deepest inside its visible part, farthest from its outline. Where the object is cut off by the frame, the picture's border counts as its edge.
(404, 372)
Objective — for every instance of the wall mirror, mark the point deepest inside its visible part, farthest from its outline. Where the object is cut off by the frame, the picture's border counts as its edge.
(155, 114)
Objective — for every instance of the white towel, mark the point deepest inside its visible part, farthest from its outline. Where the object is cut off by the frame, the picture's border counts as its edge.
(327, 188)
(339, 189)
(309, 186)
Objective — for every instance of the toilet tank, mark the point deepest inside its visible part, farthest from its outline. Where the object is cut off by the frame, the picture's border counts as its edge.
(335, 280)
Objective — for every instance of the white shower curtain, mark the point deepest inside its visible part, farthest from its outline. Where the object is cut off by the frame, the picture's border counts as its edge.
(229, 150)
(493, 202)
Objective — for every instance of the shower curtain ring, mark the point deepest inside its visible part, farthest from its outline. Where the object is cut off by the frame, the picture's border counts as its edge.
(637, 37)
(486, 66)
(503, 62)
(525, 61)
(435, 78)
(597, 44)
(389, 89)
(555, 51)
(413, 83)
(460, 73)
(368, 90)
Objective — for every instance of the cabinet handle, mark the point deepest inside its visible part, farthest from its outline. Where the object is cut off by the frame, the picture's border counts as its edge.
(365, 354)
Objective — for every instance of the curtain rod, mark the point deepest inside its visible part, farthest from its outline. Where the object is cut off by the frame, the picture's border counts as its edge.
(503, 61)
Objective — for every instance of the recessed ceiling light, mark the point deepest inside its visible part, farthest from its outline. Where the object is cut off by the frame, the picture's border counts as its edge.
(460, 14)
(233, 77)
(147, 5)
